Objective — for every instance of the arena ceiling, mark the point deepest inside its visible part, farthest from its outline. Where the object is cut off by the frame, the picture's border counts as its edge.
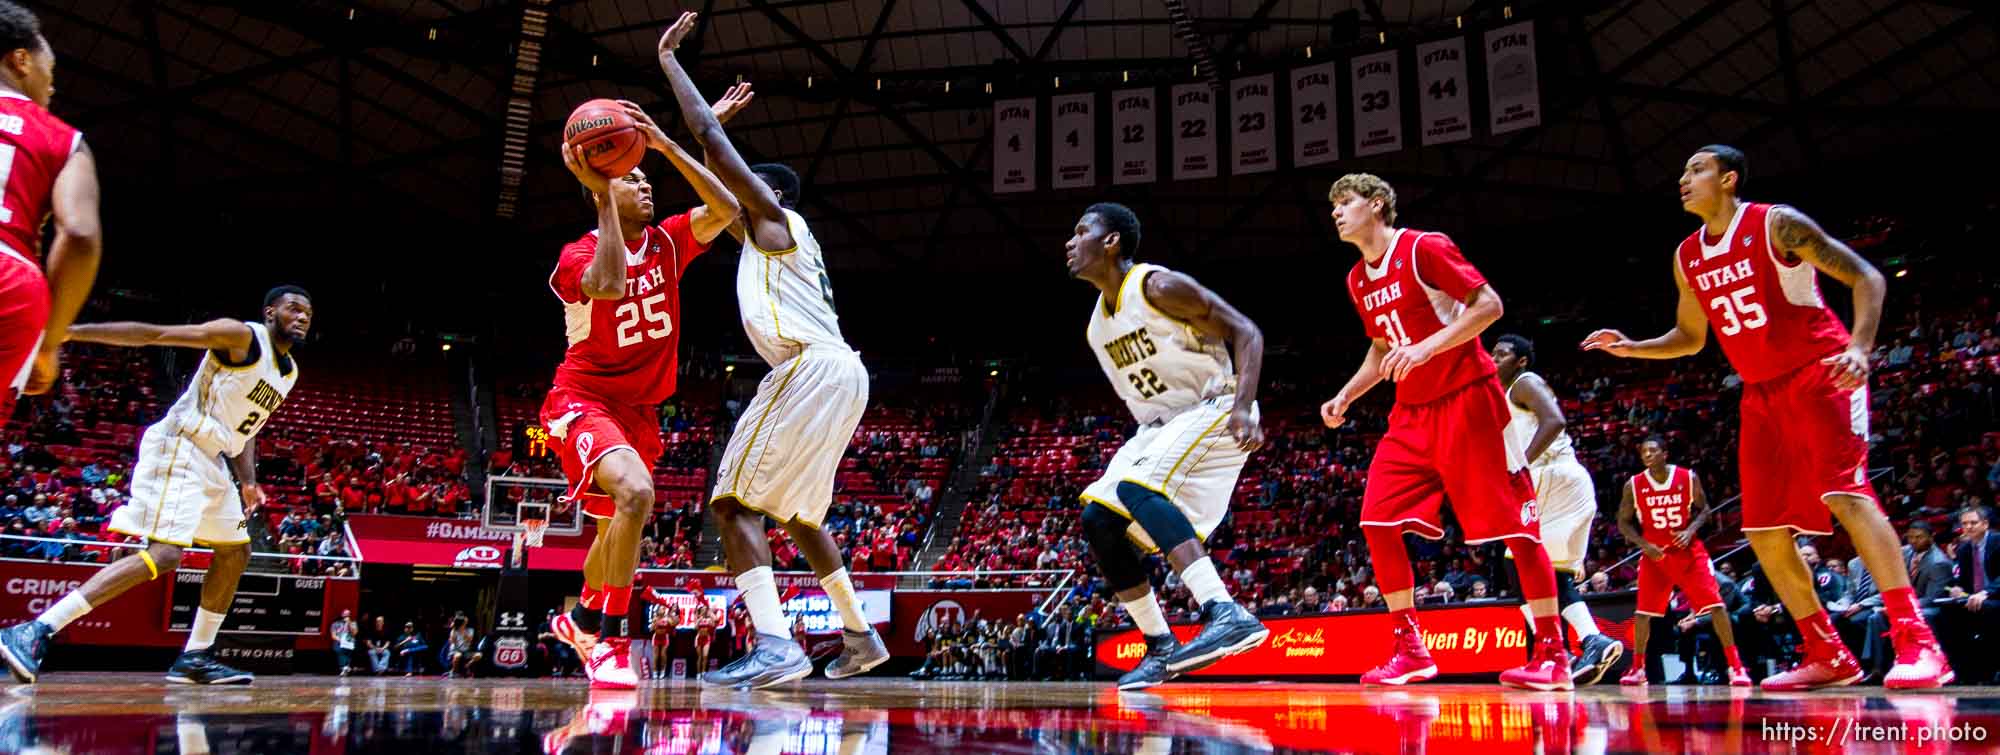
(380, 109)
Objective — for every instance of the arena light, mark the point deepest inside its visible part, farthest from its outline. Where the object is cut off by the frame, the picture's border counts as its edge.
(1901, 273)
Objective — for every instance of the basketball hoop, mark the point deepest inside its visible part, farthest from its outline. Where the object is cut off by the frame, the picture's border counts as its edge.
(532, 531)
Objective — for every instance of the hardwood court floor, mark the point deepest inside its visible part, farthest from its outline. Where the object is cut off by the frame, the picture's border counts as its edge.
(140, 713)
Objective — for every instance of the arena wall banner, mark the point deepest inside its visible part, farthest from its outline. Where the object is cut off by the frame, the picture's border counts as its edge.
(1014, 152)
(1255, 139)
(1315, 116)
(1378, 103)
(1513, 85)
(1476, 639)
(1073, 149)
(463, 543)
(1445, 98)
(1194, 131)
(916, 611)
(1134, 125)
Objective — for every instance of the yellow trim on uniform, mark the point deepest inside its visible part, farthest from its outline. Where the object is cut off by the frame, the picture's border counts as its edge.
(1115, 508)
(151, 567)
(254, 363)
(1111, 305)
(772, 297)
(211, 543)
(1190, 449)
(783, 383)
(1212, 443)
(166, 485)
(789, 231)
(150, 538)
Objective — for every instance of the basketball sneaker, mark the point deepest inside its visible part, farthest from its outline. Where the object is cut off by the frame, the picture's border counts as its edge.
(1548, 671)
(1599, 654)
(610, 665)
(1739, 677)
(1636, 675)
(1227, 629)
(859, 652)
(1920, 663)
(1835, 667)
(1152, 668)
(607, 714)
(772, 661)
(1411, 663)
(22, 647)
(565, 629)
(201, 667)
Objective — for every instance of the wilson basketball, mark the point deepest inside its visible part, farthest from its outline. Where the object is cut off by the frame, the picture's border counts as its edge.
(606, 136)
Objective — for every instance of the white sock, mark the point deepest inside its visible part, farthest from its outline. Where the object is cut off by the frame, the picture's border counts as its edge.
(840, 589)
(206, 624)
(70, 608)
(760, 595)
(1206, 585)
(1146, 613)
(1578, 616)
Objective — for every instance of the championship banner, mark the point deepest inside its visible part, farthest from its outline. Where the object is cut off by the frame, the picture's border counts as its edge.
(1378, 109)
(1315, 122)
(1442, 92)
(459, 543)
(1255, 140)
(1134, 151)
(1513, 85)
(1194, 131)
(919, 611)
(1014, 145)
(1073, 156)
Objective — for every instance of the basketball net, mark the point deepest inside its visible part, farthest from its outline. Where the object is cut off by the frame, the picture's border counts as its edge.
(532, 531)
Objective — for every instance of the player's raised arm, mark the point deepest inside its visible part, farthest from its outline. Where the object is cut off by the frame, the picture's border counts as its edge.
(73, 257)
(1689, 334)
(1334, 411)
(231, 337)
(1698, 508)
(605, 277)
(766, 222)
(1628, 523)
(719, 208)
(1180, 297)
(1798, 235)
(1549, 420)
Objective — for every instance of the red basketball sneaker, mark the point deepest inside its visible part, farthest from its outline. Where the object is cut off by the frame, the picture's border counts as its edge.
(1738, 677)
(1835, 668)
(1920, 663)
(1548, 671)
(565, 629)
(610, 665)
(1411, 663)
(1636, 675)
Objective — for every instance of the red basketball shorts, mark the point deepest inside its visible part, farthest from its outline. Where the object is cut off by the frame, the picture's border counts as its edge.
(1803, 440)
(584, 428)
(1452, 448)
(1686, 568)
(24, 313)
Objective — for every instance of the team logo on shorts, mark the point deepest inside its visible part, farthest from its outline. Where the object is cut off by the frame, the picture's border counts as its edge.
(1530, 513)
(583, 444)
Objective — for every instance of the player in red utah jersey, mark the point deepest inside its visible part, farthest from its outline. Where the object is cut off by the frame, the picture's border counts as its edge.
(46, 169)
(1423, 306)
(1662, 511)
(620, 289)
(1751, 272)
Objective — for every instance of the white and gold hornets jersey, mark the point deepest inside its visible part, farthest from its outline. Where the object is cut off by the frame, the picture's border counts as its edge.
(224, 406)
(1521, 429)
(1159, 365)
(785, 298)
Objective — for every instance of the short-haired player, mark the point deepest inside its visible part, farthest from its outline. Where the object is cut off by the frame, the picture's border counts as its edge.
(182, 494)
(620, 290)
(1661, 513)
(1751, 272)
(1568, 497)
(49, 172)
(1423, 307)
(1166, 344)
(782, 457)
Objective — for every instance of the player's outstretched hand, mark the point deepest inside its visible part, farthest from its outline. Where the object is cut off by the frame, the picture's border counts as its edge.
(732, 102)
(1398, 363)
(1608, 341)
(656, 139)
(1243, 425)
(671, 40)
(588, 176)
(1334, 411)
(42, 376)
(1850, 368)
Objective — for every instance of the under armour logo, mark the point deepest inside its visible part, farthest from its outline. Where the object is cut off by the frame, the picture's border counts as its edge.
(1141, 461)
(1747, 240)
(513, 619)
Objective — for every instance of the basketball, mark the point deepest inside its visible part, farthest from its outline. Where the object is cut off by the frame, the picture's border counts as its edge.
(606, 136)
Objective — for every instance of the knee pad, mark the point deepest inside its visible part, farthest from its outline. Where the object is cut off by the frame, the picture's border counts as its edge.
(1117, 558)
(1166, 525)
(1566, 593)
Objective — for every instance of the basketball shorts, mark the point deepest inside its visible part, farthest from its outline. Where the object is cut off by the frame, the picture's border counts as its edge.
(1190, 458)
(1453, 448)
(24, 313)
(1803, 440)
(787, 445)
(1686, 568)
(584, 428)
(181, 495)
(1568, 502)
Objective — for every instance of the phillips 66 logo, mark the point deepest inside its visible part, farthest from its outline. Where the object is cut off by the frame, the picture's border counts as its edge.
(511, 652)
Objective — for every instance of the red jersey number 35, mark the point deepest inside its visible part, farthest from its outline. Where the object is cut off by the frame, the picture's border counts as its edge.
(1739, 311)
(650, 314)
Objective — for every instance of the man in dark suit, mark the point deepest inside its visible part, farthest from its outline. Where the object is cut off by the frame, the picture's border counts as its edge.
(1979, 583)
